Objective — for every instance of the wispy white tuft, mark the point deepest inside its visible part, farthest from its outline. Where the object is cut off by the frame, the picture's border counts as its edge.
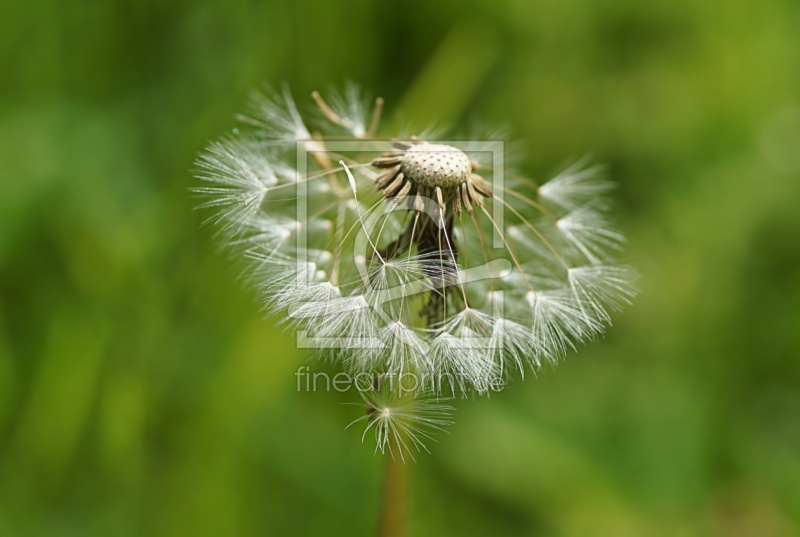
(351, 107)
(462, 352)
(266, 233)
(404, 353)
(307, 303)
(557, 320)
(402, 423)
(597, 288)
(242, 173)
(590, 232)
(276, 117)
(576, 185)
(513, 347)
(274, 273)
(350, 320)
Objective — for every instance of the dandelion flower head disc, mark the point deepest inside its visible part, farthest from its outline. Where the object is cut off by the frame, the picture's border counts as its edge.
(436, 165)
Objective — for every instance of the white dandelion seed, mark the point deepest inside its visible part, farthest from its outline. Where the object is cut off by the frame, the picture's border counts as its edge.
(576, 185)
(590, 232)
(402, 423)
(242, 175)
(513, 347)
(403, 352)
(348, 109)
(276, 117)
(597, 288)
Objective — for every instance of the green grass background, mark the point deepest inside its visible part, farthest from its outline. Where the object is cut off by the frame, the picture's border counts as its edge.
(141, 393)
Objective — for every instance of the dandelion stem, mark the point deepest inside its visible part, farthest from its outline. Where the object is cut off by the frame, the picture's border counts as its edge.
(395, 492)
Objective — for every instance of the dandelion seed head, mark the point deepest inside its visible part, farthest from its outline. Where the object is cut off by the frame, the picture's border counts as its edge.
(393, 266)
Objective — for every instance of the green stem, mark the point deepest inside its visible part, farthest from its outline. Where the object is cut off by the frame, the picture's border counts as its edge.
(395, 493)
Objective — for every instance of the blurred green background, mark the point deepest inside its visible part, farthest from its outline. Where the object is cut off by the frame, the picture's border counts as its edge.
(141, 393)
